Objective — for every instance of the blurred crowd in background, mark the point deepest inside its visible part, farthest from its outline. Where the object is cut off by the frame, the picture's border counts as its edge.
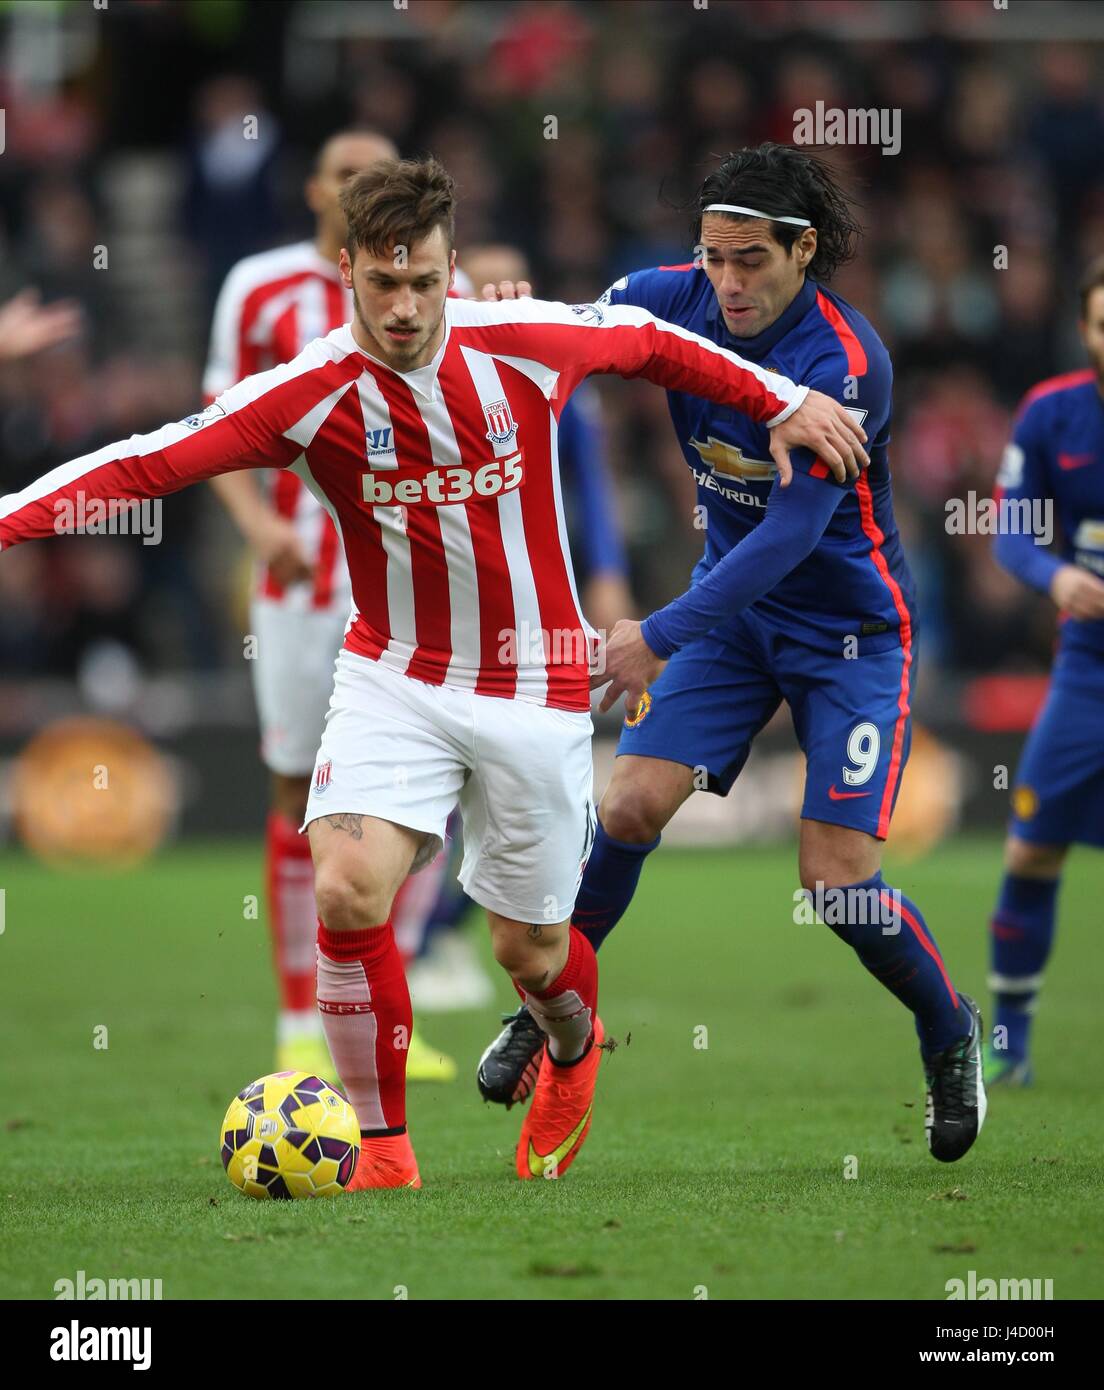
(126, 184)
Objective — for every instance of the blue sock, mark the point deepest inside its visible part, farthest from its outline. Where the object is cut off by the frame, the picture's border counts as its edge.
(889, 935)
(1021, 934)
(609, 882)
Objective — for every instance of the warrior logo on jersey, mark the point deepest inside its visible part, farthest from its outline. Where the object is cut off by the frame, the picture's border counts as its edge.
(379, 442)
(728, 460)
(501, 422)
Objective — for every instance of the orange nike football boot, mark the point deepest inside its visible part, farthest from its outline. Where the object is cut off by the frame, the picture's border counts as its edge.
(559, 1113)
(385, 1161)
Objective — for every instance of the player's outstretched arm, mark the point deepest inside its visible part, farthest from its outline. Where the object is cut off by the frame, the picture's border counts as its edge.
(244, 428)
(629, 341)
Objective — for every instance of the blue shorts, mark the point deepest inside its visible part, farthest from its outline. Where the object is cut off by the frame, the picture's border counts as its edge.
(851, 717)
(1058, 790)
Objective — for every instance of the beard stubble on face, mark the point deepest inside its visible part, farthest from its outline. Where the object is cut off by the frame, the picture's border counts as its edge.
(399, 355)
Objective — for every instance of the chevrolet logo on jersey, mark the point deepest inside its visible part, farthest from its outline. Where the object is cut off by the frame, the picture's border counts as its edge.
(729, 461)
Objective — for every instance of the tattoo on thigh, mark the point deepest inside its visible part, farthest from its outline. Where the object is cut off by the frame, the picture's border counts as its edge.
(534, 930)
(347, 821)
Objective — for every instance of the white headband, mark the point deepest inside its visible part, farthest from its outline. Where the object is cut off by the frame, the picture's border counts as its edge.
(751, 212)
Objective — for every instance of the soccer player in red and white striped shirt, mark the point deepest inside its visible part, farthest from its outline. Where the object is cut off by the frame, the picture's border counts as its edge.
(427, 427)
(270, 307)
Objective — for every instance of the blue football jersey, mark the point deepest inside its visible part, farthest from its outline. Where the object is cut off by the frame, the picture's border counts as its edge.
(856, 582)
(1056, 455)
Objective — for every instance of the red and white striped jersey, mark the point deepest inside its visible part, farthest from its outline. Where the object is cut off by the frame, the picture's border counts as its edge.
(443, 482)
(269, 308)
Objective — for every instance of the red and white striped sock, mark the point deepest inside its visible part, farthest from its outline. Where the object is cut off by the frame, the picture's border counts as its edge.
(292, 914)
(566, 1010)
(365, 1008)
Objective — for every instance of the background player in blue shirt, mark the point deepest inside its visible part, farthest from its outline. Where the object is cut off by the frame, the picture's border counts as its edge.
(802, 594)
(1056, 456)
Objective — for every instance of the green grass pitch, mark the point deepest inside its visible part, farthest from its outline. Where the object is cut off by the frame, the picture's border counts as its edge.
(711, 1170)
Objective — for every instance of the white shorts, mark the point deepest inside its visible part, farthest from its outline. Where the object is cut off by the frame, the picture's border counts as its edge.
(406, 752)
(293, 676)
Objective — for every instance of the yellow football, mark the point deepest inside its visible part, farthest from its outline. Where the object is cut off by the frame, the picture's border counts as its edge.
(290, 1135)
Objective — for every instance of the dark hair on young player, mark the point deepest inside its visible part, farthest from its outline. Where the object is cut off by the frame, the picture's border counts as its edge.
(788, 182)
(1092, 279)
(398, 202)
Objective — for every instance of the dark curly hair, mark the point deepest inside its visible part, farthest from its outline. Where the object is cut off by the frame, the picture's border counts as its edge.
(789, 182)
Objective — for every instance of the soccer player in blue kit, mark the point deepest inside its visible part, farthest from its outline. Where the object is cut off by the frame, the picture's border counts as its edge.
(1055, 457)
(803, 594)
